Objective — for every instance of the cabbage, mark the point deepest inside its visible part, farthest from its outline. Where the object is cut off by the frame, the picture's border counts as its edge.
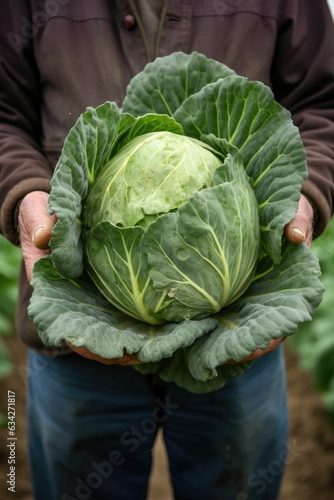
(171, 211)
(189, 263)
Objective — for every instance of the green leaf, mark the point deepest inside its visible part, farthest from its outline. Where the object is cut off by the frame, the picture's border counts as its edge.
(201, 253)
(167, 81)
(148, 124)
(86, 149)
(65, 309)
(123, 273)
(280, 298)
(176, 370)
(96, 136)
(153, 174)
(246, 115)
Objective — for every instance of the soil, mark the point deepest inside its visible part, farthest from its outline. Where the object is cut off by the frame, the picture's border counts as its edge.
(310, 469)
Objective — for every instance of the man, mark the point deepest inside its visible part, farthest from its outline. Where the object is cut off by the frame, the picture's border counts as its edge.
(88, 422)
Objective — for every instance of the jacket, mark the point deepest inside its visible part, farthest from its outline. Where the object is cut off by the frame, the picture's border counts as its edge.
(59, 56)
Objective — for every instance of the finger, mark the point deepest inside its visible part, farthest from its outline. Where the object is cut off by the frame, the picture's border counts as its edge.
(300, 229)
(35, 228)
(42, 235)
(125, 360)
(35, 222)
(274, 343)
(294, 233)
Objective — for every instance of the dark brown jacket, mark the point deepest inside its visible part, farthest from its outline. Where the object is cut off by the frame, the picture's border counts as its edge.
(59, 56)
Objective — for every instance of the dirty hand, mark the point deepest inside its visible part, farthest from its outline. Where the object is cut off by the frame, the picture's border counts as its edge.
(125, 360)
(300, 229)
(35, 228)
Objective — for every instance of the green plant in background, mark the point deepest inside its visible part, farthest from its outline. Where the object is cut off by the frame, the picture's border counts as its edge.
(10, 257)
(314, 342)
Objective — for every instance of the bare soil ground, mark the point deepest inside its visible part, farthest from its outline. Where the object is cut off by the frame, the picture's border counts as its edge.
(310, 470)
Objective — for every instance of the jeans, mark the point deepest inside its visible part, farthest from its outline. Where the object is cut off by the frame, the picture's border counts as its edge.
(91, 430)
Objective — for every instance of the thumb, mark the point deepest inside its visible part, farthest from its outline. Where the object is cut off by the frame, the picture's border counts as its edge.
(35, 226)
(300, 229)
(294, 232)
(35, 222)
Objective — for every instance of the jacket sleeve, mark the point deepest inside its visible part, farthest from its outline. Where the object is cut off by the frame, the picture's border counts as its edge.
(303, 81)
(23, 167)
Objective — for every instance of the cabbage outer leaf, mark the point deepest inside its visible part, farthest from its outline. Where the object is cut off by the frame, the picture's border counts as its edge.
(74, 310)
(168, 81)
(191, 353)
(97, 135)
(245, 114)
(279, 299)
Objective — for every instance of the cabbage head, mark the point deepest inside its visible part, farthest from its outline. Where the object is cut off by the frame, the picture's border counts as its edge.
(186, 226)
(171, 210)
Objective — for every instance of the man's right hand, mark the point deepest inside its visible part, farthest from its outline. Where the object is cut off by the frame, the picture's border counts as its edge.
(35, 226)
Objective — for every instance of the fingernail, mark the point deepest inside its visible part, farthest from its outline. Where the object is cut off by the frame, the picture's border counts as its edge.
(37, 233)
(298, 231)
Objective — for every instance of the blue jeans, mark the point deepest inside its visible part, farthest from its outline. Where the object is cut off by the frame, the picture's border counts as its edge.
(92, 427)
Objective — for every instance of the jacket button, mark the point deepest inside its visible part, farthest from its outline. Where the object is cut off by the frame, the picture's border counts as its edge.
(129, 22)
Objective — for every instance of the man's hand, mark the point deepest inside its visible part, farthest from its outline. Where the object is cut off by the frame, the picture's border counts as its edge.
(35, 226)
(125, 360)
(259, 352)
(300, 229)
